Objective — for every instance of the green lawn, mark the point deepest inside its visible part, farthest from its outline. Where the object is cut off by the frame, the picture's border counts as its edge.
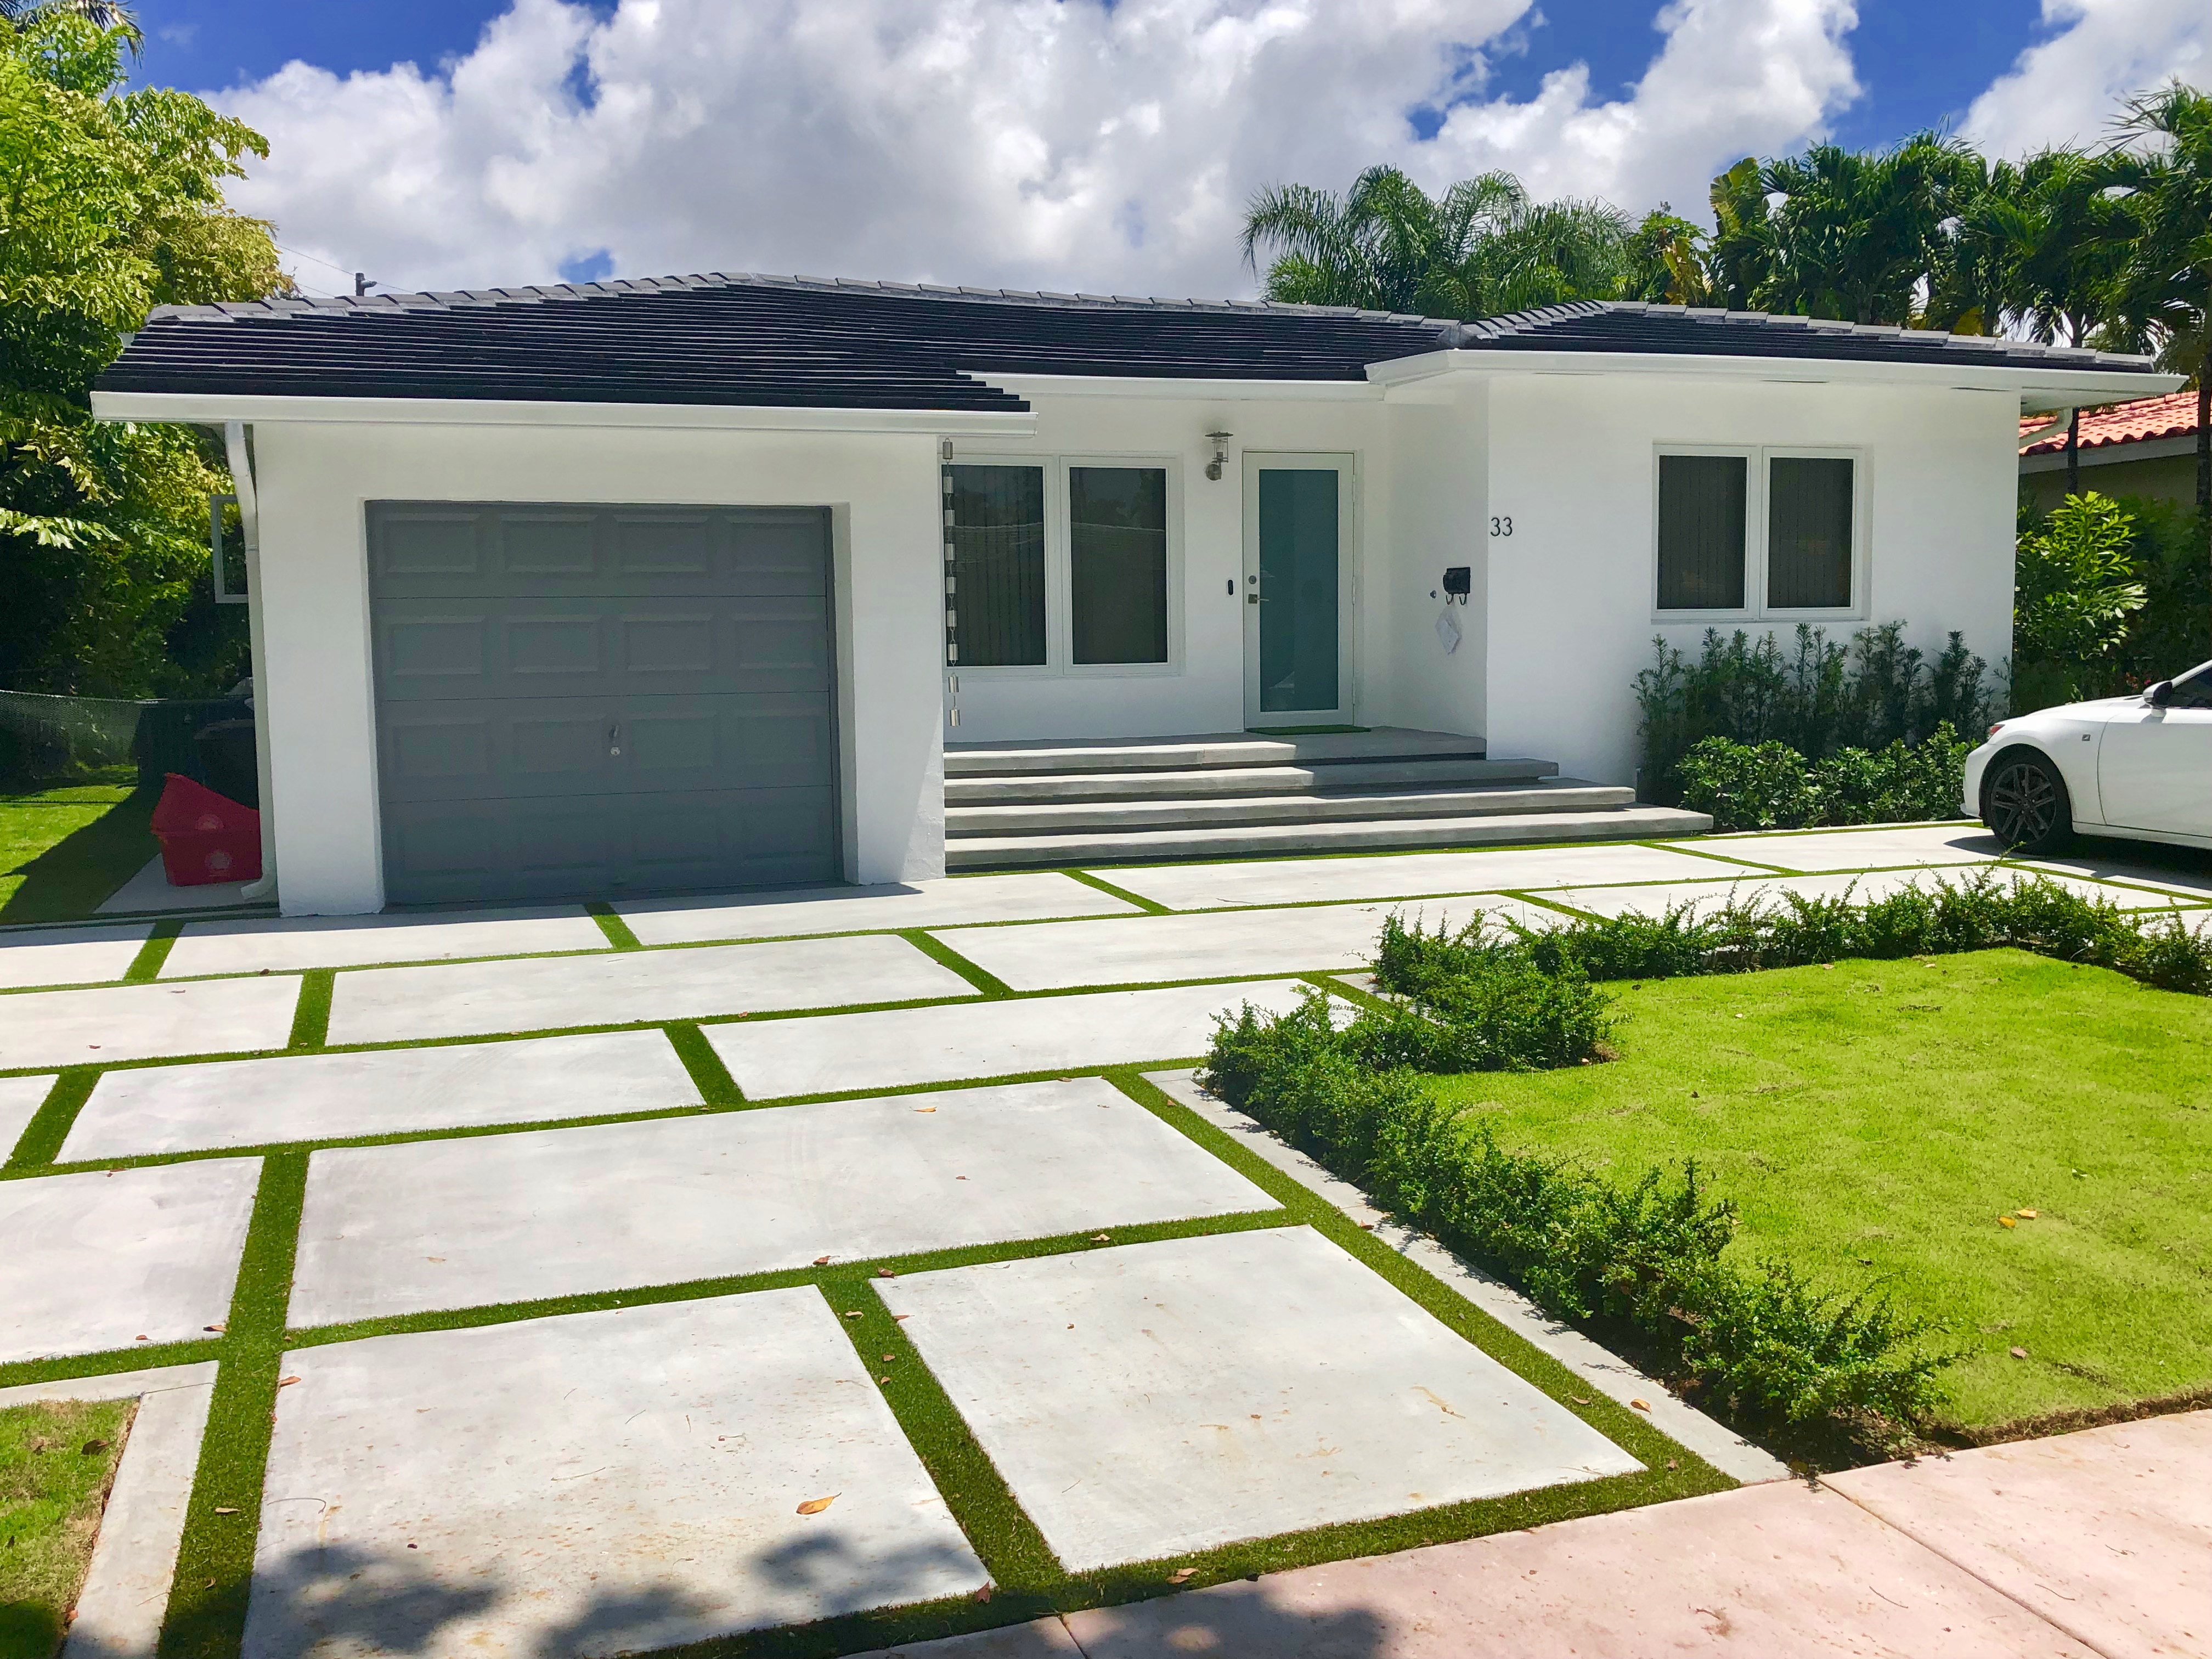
(63, 849)
(1875, 1120)
(55, 1463)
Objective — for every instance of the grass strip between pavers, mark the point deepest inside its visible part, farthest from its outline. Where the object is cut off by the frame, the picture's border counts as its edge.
(311, 1015)
(206, 1617)
(41, 1139)
(708, 1075)
(946, 957)
(616, 930)
(146, 967)
(1151, 906)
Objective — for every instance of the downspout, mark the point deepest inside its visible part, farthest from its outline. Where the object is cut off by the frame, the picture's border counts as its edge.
(241, 455)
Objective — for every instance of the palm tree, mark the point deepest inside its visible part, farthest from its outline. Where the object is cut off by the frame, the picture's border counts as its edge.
(1480, 248)
(2163, 161)
(101, 14)
(1858, 234)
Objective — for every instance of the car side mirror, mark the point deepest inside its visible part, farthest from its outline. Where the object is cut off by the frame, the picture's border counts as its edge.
(2158, 695)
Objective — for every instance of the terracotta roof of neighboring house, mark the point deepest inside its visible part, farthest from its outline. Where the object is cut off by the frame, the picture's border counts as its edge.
(810, 342)
(2170, 417)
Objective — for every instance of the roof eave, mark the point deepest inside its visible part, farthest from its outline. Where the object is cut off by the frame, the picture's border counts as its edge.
(1194, 389)
(204, 407)
(2039, 386)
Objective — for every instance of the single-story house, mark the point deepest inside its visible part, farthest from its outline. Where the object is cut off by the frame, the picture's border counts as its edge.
(703, 582)
(2146, 447)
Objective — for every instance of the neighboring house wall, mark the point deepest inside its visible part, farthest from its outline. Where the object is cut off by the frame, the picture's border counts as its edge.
(2163, 469)
(317, 691)
(1572, 460)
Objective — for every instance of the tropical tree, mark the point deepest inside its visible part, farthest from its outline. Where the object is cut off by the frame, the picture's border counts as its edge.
(2163, 162)
(103, 15)
(1857, 233)
(1480, 249)
(110, 202)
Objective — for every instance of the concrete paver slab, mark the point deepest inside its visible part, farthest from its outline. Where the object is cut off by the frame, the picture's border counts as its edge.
(99, 1260)
(20, 1100)
(1861, 849)
(1154, 1399)
(145, 1021)
(1054, 955)
(1726, 1450)
(252, 1103)
(2185, 873)
(275, 943)
(907, 1046)
(2107, 1533)
(387, 1005)
(69, 956)
(603, 1483)
(393, 1229)
(1040, 1639)
(1767, 1570)
(1306, 881)
(119, 1611)
(1030, 896)
(1860, 887)
(149, 892)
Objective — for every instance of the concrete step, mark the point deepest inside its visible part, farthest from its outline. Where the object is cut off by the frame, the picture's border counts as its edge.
(1207, 750)
(1055, 786)
(1238, 840)
(1566, 795)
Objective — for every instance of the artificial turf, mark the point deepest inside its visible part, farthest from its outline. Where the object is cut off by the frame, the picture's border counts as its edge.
(1883, 1120)
(57, 1461)
(63, 849)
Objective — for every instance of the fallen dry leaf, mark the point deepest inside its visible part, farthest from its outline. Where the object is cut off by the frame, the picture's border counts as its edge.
(1182, 1575)
(212, 1327)
(984, 1593)
(885, 1272)
(286, 1381)
(856, 1313)
(816, 1505)
(1671, 1464)
(2006, 1221)
(1578, 1400)
(94, 1448)
(1641, 1404)
(2019, 1353)
(2026, 1215)
(220, 1509)
(898, 1316)
(924, 1108)
(1102, 1238)
(821, 1261)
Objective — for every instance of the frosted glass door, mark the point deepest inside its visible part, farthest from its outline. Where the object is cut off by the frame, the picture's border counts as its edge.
(1294, 594)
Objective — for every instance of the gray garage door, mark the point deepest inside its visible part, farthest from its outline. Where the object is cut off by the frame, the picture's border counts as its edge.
(602, 700)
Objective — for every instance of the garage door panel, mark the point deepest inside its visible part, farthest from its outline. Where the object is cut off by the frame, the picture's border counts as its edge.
(577, 699)
(497, 550)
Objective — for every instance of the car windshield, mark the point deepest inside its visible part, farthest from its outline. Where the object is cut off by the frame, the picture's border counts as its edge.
(2192, 689)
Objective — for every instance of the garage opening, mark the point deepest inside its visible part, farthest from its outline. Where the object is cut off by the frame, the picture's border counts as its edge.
(602, 700)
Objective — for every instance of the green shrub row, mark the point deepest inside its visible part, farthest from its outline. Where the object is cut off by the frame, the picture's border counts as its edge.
(1654, 1254)
(1817, 697)
(1770, 785)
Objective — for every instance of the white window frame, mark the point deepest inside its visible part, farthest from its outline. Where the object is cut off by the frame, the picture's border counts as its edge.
(1059, 572)
(1757, 572)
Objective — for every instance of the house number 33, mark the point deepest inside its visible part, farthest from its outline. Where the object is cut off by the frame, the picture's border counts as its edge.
(1501, 526)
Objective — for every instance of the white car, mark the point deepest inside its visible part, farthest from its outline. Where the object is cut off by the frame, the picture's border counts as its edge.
(2139, 768)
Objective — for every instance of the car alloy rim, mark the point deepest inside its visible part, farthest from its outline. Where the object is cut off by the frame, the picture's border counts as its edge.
(2023, 802)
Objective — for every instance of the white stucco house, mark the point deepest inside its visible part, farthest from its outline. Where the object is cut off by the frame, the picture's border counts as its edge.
(724, 580)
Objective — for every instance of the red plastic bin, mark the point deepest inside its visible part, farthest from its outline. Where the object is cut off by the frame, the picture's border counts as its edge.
(205, 837)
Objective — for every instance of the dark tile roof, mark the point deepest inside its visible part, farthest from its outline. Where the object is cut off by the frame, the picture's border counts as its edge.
(804, 342)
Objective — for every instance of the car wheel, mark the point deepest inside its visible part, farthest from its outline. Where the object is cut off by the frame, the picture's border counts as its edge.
(2025, 804)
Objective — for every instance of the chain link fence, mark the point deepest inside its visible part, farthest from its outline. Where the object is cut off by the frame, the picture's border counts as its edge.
(48, 740)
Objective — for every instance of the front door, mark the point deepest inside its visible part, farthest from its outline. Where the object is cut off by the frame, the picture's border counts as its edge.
(1297, 571)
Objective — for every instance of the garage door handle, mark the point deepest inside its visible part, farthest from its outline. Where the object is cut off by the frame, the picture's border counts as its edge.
(614, 738)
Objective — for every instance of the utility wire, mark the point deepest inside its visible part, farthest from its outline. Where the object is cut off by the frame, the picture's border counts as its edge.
(325, 263)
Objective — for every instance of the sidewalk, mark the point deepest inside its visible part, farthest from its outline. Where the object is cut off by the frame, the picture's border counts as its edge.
(2089, 1546)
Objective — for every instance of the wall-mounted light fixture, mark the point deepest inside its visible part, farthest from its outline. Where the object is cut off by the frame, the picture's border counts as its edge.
(1220, 442)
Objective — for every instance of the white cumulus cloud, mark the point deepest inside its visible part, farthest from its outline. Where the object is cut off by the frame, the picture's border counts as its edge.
(1035, 144)
(2066, 90)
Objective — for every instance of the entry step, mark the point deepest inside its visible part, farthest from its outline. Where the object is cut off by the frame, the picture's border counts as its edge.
(1174, 810)
(1208, 750)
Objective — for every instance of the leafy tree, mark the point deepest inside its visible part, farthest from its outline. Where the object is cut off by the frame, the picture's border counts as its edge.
(110, 202)
(1857, 233)
(2077, 588)
(1480, 249)
(1667, 261)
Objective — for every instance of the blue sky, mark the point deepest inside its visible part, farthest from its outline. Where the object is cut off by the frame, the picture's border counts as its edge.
(1913, 76)
(1098, 145)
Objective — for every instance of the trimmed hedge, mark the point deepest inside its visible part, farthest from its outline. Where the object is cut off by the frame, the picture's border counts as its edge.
(1770, 785)
(1654, 1254)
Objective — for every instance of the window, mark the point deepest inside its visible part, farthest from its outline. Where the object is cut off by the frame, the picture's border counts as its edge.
(994, 542)
(1061, 565)
(1808, 533)
(1702, 512)
(1117, 553)
(1714, 507)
